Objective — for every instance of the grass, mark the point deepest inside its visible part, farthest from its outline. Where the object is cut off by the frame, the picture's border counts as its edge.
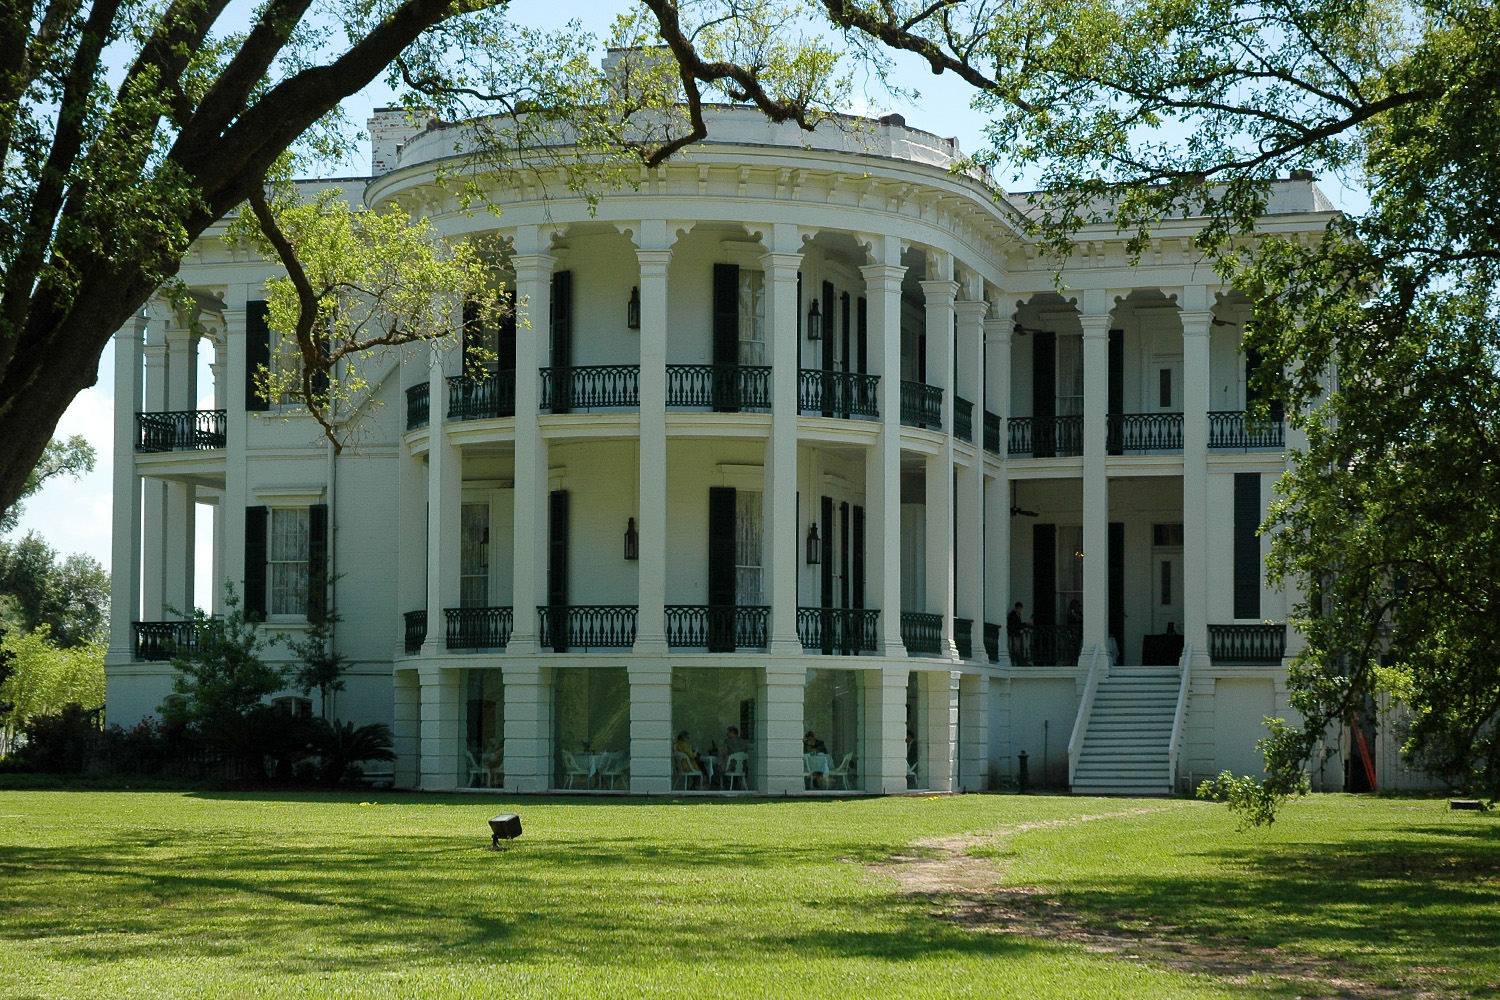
(197, 894)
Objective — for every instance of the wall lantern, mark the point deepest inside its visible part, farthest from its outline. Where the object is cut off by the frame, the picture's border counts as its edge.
(814, 322)
(632, 540)
(814, 546)
(633, 309)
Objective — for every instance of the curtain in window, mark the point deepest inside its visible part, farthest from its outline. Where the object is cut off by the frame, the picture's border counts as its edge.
(1069, 569)
(290, 534)
(749, 586)
(1069, 375)
(752, 317)
(474, 556)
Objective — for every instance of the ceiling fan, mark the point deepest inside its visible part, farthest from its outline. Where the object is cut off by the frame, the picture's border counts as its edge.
(1021, 511)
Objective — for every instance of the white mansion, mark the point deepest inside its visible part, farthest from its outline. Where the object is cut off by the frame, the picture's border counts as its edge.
(780, 437)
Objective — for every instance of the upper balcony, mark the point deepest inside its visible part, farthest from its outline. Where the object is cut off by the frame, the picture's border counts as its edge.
(180, 430)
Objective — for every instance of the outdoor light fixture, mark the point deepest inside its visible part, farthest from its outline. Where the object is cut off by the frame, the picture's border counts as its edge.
(506, 826)
(814, 322)
(633, 309)
(814, 546)
(632, 540)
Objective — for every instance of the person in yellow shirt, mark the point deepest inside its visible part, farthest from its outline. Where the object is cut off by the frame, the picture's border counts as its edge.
(684, 746)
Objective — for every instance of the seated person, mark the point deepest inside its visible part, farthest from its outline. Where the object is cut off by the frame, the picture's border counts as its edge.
(733, 743)
(684, 746)
(811, 743)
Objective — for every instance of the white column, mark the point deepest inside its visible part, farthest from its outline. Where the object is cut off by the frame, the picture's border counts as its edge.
(974, 732)
(780, 503)
(220, 370)
(651, 511)
(406, 727)
(441, 727)
(237, 424)
(528, 718)
(883, 461)
(969, 594)
(179, 534)
(1095, 319)
(153, 541)
(529, 555)
(781, 738)
(650, 721)
(1196, 322)
(939, 295)
(997, 519)
(125, 543)
(885, 711)
(444, 509)
(938, 705)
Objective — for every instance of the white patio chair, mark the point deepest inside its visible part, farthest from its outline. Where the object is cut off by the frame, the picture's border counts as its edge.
(616, 766)
(842, 771)
(573, 769)
(682, 767)
(479, 776)
(734, 767)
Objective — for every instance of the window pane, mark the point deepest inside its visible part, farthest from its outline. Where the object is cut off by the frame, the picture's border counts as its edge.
(748, 582)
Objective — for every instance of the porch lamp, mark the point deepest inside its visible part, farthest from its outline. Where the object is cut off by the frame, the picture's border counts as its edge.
(632, 540)
(814, 546)
(633, 309)
(814, 322)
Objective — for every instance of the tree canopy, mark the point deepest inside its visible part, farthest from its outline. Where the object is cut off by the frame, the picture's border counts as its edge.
(68, 596)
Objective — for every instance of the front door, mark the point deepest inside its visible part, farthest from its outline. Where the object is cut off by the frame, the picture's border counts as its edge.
(1166, 590)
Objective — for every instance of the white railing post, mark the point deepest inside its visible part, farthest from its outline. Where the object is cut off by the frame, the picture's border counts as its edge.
(1085, 709)
(1180, 719)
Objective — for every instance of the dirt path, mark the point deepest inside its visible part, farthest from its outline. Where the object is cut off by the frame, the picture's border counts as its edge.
(972, 892)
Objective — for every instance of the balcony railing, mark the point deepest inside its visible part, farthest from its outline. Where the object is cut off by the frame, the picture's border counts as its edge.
(483, 398)
(594, 387)
(415, 631)
(992, 641)
(1136, 432)
(478, 628)
(717, 628)
(843, 631)
(838, 394)
(921, 405)
(921, 633)
(963, 637)
(1045, 645)
(963, 419)
(153, 642)
(722, 388)
(418, 405)
(180, 430)
(1046, 437)
(992, 432)
(1236, 429)
(587, 626)
(1262, 644)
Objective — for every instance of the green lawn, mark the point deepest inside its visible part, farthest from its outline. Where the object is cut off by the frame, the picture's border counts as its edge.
(197, 894)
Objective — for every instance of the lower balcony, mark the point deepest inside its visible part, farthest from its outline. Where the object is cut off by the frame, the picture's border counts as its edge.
(478, 628)
(838, 394)
(1045, 645)
(1046, 437)
(180, 430)
(155, 642)
(717, 628)
(838, 631)
(921, 633)
(1263, 645)
(586, 626)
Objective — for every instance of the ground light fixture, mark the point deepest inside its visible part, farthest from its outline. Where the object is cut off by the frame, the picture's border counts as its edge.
(506, 826)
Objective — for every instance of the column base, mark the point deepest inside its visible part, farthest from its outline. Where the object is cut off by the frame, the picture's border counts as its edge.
(781, 645)
(650, 645)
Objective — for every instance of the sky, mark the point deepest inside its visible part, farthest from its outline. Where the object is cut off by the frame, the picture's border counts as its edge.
(75, 516)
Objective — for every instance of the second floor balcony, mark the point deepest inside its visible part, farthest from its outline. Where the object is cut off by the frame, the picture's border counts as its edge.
(180, 430)
(922, 405)
(1046, 437)
(591, 387)
(482, 398)
(1143, 432)
(720, 388)
(838, 394)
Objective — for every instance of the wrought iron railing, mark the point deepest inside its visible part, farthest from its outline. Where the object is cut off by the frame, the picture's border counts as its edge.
(180, 430)
(1236, 429)
(592, 387)
(845, 631)
(921, 405)
(586, 626)
(963, 637)
(921, 633)
(992, 432)
(418, 405)
(153, 642)
(483, 398)
(478, 628)
(1131, 432)
(725, 388)
(992, 641)
(838, 394)
(1262, 644)
(1046, 437)
(415, 623)
(963, 419)
(717, 628)
(1045, 645)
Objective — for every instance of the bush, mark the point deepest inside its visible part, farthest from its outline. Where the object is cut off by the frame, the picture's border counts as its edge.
(341, 745)
(62, 743)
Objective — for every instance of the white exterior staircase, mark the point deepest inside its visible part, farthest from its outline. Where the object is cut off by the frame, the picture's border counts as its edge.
(1126, 749)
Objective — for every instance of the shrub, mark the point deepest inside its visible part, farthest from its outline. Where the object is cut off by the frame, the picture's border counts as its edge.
(61, 743)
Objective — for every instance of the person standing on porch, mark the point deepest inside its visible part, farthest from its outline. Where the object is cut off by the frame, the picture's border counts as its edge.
(1015, 626)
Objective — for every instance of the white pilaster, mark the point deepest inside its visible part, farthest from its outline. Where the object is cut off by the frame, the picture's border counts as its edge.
(1196, 323)
(237, 424)
(974, 732)
(529, 581)
(883, 461)
(997, 601)
(969, 594)
(179, 532)
(780, 504)
(885, 711)
(153, 540)
(939, 296)
(528, 730)
(938, 708)
(651, 511)
(1095, 319)
(785, 688)
(125, 543)
(406, 727)
(441, 728)
(650, 721)
(444, 509)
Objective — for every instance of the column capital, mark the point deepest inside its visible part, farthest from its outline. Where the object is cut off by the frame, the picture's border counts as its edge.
(940, 292)
(156, 353)
(1095, 325)
(883, 277)
(532, 266)
(781, 266)
(972, 310)
(653, 262)
(1196, 322)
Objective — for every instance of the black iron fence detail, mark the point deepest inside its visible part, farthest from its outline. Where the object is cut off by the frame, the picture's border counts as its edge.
(717, 628)
(180, 430)
(1263, 644)
(963, 637)
(1236, 429)
(992, 641)
(725, 388)
(921, 633)
(838, 394)
(478, 628)
(1130, 432)
(418, 405)
(1045, 645)
(963, 419)
(921, 405)
(592, 387)
(415, 626)
(1046, 437)
(587, 626)
(154, 642)
(992, 432)
(482, 398)
(845, 631)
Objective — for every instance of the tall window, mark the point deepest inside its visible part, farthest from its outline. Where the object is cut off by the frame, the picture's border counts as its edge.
(1069, 572)
(474, 556)
(1069, 375)
(749, 585)
(288, 560)
(752, 317)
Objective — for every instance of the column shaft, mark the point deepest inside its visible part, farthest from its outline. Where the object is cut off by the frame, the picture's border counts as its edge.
(125, 543)
(528, 728)
(529, 580)
(940, 555)
(650, 722)
(1095, 480)
(780, 499)
(883, 461)
(786, 684)
(1195, 373)
(651, 512)
(441, 728)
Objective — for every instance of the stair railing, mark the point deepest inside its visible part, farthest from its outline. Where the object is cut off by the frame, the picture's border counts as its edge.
(1098, 670)
(1179, 721)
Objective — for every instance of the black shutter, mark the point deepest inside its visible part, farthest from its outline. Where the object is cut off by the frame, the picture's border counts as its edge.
(799, 324)
(317, 561)
(726, 338)
(1043, 394)
(825, 581)
(1044, 575)
(1247, 567)
(721, 562)
(1117, 584)
(506, 347)
(857, 563)
(257, 352)
(829, 395)
(557, 570)
(255, 562)
(562, 342)
(1116, 391)
(320, 376)
(862, 337)
(844, 574)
